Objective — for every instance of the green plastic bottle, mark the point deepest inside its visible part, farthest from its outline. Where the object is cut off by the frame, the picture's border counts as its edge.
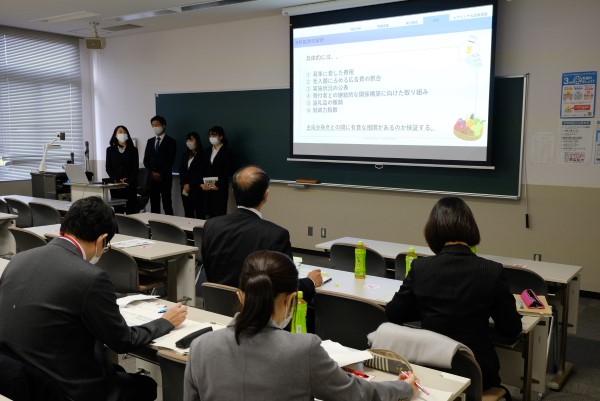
(410, 256)
(299, 319)
(360, 257)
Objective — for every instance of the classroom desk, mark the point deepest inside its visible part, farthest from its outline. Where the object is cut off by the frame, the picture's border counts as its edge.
(381, 290)
(179, 259)
(185, 223)
(60, 205)
(7, 241)
(566, 278)
(430, 378)
(79, 191)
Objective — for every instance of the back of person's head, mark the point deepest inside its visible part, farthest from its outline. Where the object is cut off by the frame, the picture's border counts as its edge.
(250, 184)
(265, 275)
(88, 218)
(451, 220)
(161, 120)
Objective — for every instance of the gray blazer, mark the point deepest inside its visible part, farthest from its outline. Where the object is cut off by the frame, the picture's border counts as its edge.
(56, 312)
(274, 364)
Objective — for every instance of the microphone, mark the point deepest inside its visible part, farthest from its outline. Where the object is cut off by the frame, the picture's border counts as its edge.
(72, 158)
(87, 148)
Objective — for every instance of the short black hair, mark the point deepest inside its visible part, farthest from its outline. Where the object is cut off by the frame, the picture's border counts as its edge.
(451, 220)
(88, 218)
(160, 119)
(250, 184)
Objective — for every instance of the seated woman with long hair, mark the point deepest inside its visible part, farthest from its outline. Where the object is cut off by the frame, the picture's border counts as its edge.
(254, 358)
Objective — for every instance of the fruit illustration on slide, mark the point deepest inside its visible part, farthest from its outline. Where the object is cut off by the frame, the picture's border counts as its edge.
(469, 129)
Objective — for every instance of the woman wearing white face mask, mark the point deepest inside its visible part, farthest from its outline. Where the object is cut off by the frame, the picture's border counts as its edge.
(217, 162)
(122, 165)
(190, 177)
(254, 357)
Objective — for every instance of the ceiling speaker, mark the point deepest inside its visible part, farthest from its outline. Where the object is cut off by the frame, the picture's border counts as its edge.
(95, 43)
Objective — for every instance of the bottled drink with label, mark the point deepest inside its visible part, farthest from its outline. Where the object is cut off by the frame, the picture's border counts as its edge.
(299, 320)
(410, 256)
(360, 259)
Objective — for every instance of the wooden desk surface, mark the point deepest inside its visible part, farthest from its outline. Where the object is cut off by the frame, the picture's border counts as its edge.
(551, 272)
(185, 223)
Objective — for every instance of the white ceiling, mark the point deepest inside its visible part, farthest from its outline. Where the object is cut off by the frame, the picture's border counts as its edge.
(24, 13)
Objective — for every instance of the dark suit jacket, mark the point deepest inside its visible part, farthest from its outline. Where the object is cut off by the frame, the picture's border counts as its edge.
(56, 312)
(193, 174)
(229, 239)
(222, 167)
(161, 162)
(123, 165)
(455, 293)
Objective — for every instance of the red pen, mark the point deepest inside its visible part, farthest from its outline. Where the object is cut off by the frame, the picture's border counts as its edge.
(356, 373)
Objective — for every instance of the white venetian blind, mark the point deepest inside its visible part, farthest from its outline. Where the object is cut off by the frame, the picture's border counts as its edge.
(40, 95)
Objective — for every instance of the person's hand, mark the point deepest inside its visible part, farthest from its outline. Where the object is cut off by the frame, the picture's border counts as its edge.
(316, 277)
(123, 180)
(410, 378)
(204, 187)
(186, 187)
(155, 176)
(176, 314)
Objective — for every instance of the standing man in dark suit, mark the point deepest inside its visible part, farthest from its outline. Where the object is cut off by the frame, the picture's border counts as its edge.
(58, 311)
(158, 159)
(229, 239)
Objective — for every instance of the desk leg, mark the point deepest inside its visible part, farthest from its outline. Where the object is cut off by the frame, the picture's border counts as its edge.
(181, 278)
(527, 366)
(564, 368)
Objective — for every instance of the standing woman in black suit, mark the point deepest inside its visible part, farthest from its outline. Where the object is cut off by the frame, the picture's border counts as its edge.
(217, 162)
(122, 165)
(190, 177)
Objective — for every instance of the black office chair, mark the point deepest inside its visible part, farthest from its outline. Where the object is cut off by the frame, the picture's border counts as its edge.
(26, 240)
(3, 206)
(22, 210)
(124, 273)
(346, 319)
(520, 279)
(200, 273)
(143, 188)
(167, 232)
(129, 225)
(44, 215)
(342, 258)
(219, 298)
(400, 266)
(172, 370)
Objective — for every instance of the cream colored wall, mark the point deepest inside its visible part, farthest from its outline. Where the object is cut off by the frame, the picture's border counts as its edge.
(535, 37)
(15, 188)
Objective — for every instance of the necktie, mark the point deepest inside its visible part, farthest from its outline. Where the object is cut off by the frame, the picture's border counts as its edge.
(156, 144)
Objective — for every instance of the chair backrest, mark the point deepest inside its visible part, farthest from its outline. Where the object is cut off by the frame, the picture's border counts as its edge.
(198, 233)
(44, 215)
(342, 258)
(400, 266)
(22, 210)
(143, 188)
(219, 298)
(132, 226)
(520, 279)
(346, 319)
(3, 206)
(172, 370)
(122, 269)
(167, 232)
(26, 240)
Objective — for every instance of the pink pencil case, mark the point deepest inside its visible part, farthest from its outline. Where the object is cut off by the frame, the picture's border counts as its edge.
(531, 300)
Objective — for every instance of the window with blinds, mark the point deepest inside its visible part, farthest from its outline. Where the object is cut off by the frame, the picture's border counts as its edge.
(40, 95)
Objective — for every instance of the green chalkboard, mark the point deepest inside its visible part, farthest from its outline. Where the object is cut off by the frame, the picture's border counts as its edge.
(257, 124)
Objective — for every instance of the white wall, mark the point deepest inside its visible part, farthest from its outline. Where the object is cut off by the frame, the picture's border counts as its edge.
(537, 37)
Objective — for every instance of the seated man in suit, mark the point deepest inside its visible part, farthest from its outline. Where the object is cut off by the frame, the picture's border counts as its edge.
(58, 311)
(228, 239)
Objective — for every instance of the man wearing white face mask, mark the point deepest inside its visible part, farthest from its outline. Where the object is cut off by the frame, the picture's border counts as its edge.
(58, 311)
(158, 159)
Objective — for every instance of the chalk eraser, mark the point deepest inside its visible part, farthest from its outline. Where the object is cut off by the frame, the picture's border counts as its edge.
(306, 181)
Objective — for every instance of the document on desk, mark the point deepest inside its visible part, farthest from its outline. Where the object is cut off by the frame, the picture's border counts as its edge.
(141, 312)
(131, 243)
(124, 301)
(188, 327)
(344, 356)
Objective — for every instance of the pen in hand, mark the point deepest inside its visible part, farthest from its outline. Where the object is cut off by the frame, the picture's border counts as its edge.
(520, 304)
(326, 281)
(356, 372)
(423, 389)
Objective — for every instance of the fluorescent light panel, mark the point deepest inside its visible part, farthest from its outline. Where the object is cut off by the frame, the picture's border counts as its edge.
(67, 17)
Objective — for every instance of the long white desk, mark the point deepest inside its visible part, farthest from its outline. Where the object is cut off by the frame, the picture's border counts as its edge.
(566, 277)
(7, 241)
(60, 205)
(430, 378)
(185, 223)
(179, 259)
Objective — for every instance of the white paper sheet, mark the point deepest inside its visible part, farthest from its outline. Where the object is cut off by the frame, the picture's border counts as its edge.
(343, 355)
(131, 243)
(135, 297)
